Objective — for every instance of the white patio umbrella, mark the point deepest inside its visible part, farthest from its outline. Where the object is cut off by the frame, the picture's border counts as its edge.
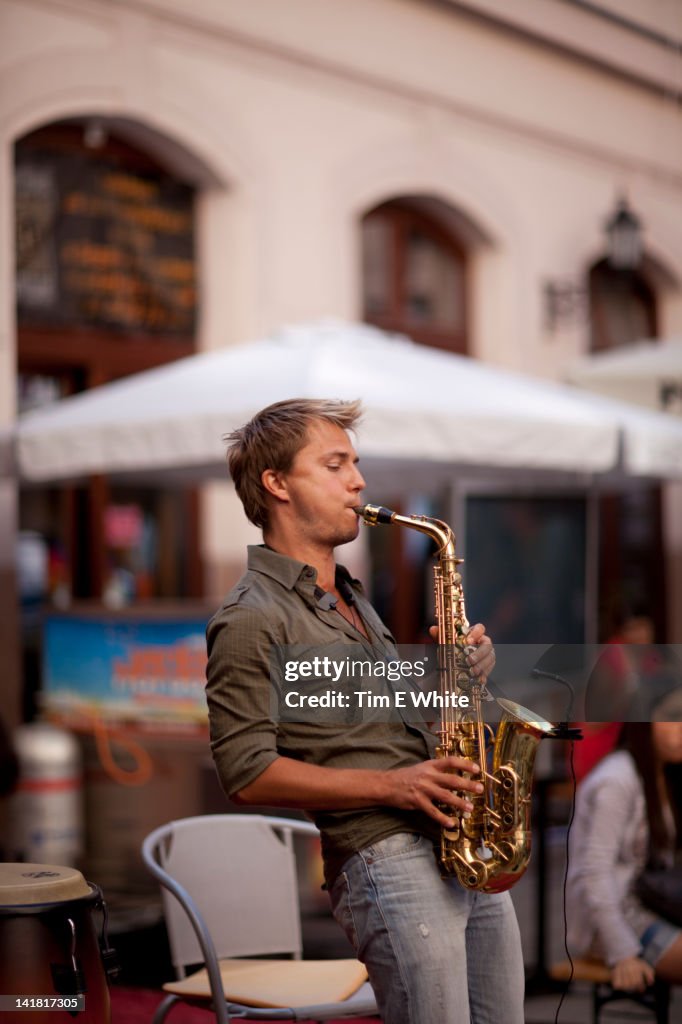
(648, 373)
(421, 404)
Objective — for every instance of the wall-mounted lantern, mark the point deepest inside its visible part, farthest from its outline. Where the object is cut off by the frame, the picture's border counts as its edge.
(624, 233)
(566, 299)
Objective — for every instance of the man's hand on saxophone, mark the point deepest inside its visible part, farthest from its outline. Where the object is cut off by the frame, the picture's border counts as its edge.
(482, 660)
(423, 786)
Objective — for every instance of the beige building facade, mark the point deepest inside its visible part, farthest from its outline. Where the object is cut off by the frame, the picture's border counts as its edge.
(516, 125)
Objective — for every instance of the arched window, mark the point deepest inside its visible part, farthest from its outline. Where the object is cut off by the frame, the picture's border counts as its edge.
(414, 275)
(105, 287)
(104, 249)
(622, 307)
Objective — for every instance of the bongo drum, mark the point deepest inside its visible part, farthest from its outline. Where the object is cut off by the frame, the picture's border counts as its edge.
(48, 946)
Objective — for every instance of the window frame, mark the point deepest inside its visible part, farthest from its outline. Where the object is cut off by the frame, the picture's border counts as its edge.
(402, 217)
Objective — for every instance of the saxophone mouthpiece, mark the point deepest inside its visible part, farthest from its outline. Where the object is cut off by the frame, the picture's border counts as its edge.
(373, 514)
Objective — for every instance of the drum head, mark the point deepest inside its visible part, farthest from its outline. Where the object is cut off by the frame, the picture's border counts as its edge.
(29, 884)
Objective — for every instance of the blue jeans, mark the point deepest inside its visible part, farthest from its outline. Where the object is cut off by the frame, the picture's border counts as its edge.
(435, 952)
(657, 939)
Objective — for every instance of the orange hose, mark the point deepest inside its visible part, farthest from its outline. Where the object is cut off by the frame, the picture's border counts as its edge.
(144, 766)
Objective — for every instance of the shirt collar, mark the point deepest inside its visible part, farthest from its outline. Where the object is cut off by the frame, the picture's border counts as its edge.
(281, 568)
(288, 571)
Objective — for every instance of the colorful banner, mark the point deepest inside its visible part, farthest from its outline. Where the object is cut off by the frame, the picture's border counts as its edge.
(127, 670)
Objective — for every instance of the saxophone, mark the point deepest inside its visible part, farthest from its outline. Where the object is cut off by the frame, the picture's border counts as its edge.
(487, 849)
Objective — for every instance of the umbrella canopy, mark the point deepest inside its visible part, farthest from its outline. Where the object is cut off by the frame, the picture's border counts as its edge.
(648, 373)
(421, 404)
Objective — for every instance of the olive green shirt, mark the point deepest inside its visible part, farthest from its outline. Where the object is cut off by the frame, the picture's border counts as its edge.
(278, 602)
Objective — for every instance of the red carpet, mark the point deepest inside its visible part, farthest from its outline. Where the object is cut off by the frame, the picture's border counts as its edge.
(136, 1006)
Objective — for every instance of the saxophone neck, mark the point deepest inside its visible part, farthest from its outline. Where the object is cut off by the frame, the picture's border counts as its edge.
(436, 529)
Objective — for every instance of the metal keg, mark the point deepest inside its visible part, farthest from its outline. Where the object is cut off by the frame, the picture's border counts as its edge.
(46, 811)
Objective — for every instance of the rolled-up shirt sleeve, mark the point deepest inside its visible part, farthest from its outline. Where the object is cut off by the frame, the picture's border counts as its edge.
(242, 731)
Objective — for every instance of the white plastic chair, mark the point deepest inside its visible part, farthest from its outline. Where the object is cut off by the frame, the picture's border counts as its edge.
(230, 891)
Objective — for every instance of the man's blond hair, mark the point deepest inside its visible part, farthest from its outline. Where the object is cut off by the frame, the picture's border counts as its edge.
(272, 439)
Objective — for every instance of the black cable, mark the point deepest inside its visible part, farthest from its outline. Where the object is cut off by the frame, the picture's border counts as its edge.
(541, 674)
(565, 886)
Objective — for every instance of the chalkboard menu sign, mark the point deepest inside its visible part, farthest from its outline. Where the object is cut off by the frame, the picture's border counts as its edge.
(102, 246)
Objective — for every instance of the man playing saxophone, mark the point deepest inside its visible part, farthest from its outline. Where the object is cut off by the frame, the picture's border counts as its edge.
(436, 953)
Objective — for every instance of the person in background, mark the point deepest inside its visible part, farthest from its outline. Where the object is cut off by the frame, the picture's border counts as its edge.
(628, 662)
(628, 815)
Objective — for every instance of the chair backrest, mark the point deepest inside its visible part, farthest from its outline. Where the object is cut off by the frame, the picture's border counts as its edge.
(240, 872)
